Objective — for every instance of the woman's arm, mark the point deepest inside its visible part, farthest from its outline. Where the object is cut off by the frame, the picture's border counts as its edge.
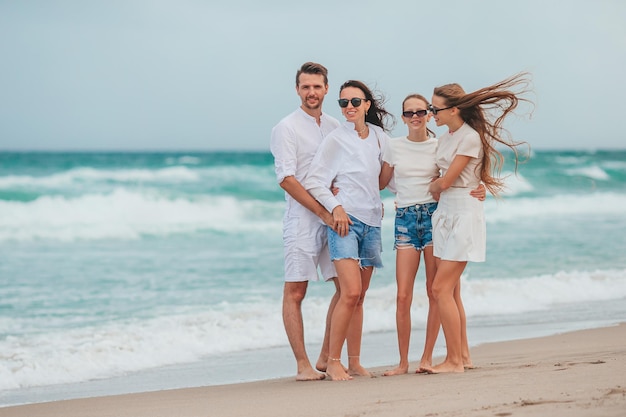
(319, 180)
(296, 190)
(479, 192)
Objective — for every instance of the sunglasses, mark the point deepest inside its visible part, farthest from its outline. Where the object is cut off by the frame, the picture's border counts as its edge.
(410, 114)
(356, 102)
(435, 110)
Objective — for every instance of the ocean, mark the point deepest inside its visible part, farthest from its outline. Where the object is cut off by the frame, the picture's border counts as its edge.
(138, 271)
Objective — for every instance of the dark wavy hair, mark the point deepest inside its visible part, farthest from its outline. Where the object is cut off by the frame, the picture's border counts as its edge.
(485, 110)
(376, 115)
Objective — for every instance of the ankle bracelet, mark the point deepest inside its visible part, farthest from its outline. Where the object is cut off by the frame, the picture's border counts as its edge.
(334, 359)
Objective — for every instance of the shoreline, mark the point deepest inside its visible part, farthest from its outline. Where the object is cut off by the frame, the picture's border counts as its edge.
(378, 349)
(579, 373)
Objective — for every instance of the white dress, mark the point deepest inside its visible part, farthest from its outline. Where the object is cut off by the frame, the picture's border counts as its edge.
(459, 229)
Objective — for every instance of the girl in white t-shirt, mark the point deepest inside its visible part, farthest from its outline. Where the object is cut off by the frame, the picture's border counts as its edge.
(466, 155)
(410, 160)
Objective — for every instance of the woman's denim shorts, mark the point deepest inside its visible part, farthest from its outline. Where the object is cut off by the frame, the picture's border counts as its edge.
(414, 227)
(362, 242)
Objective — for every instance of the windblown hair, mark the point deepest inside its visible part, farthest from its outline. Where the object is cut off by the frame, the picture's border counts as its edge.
(485, 110)
(376, 115)
(312, 68)
(420, 97)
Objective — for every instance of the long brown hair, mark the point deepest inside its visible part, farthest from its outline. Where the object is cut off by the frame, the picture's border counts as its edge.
(485, 110)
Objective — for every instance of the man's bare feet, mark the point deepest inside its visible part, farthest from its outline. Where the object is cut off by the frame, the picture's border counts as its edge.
(399, 370)
(336, 371)
(446, 367)
(309, 375)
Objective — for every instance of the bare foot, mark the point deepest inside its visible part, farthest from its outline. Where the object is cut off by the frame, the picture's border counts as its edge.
(397, 371)
(424, 370)
(309, 375)
(467, 361)
(321, 366)
(425, 367)
(358, 370)
(446, 367)
(336, 372)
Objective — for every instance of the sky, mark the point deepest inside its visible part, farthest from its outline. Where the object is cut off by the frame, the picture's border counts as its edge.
(218, 75)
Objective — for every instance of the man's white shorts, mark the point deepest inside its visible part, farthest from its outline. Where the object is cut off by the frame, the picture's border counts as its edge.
(306, 248)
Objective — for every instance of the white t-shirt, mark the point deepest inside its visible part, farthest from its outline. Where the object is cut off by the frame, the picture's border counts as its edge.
(352, 165)
(465, 141)
(413, 169)
(294, 142)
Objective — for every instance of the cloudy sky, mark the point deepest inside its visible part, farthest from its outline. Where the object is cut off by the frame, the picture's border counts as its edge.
(217, 75)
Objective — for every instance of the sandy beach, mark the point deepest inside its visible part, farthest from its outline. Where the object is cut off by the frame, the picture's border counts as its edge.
(581, 373)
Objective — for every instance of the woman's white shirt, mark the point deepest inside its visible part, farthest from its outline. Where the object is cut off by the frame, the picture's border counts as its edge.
(352, 165)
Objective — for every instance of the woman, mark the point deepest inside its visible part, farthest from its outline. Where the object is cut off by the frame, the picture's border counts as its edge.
(466, 155)
(349, 159)
(410, 160)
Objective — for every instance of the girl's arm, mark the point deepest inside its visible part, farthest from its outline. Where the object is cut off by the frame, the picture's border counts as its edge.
(456, 167)
(386, 172)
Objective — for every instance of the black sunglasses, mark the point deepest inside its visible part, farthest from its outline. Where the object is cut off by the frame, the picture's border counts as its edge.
(410, 114)
(435, 110)
(356, 102)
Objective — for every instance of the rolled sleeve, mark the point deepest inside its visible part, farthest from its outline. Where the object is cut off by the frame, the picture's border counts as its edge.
(284, 150)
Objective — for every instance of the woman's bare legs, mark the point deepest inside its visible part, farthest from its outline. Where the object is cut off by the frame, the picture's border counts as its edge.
(407, 264)
(355, 330)
(433, 322)
(349, 276)
(447, 279)
(323, 358)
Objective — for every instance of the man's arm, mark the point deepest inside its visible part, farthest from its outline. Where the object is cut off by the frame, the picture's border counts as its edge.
(293, 187)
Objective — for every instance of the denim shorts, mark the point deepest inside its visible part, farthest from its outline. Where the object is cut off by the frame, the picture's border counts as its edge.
(414, 228)
(363, 243)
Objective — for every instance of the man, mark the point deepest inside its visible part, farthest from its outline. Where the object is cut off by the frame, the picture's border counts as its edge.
(294, 142)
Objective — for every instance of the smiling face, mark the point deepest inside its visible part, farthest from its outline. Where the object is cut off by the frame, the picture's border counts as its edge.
(415, 122)
(443, 117)
(311, 89)
(351, 113)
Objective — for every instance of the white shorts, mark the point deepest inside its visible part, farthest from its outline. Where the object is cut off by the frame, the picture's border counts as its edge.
(459, 230)
(306, 248)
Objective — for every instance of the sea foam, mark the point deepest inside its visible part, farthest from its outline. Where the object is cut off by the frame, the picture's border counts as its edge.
(123, 346)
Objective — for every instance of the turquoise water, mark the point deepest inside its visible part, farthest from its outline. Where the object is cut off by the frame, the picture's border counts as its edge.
(118, 265)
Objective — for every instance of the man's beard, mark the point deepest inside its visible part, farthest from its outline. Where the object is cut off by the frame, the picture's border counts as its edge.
(316, 106)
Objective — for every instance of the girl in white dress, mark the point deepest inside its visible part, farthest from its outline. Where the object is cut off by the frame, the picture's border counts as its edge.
(467, 155)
